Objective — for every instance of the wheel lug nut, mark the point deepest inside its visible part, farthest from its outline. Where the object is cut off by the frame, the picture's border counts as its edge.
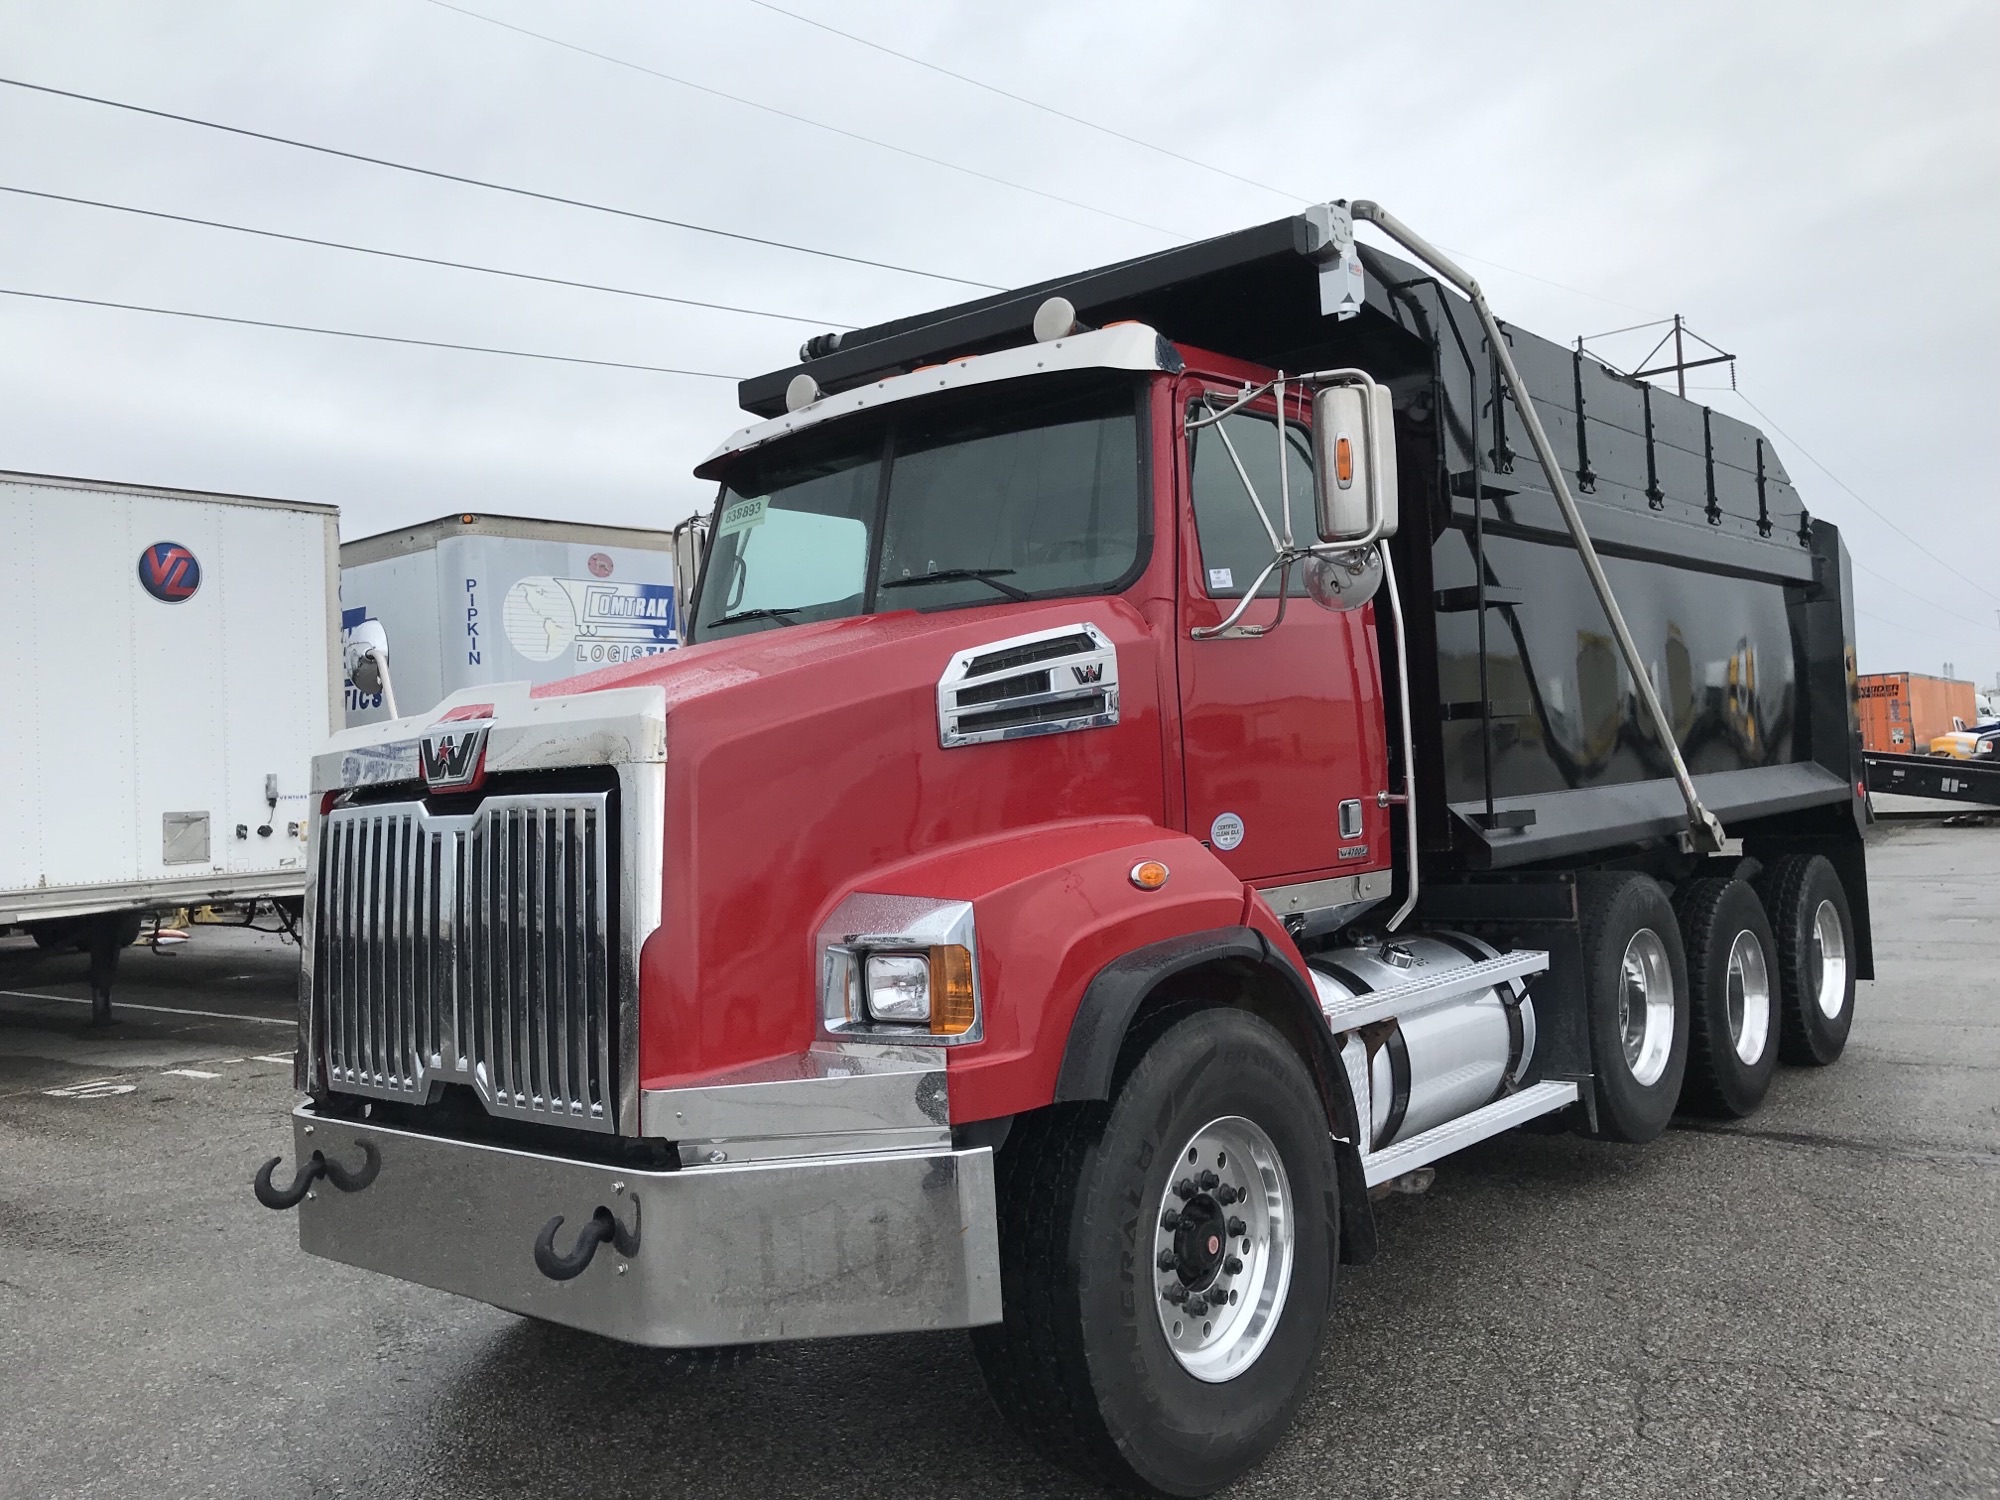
(1196, 1306)
(1168, 1260)
(1226, 1195)
(1209, 1181)
(1171, 1220)
(1184, 1189)
(1175, 1293)
(1237, 1229)
(1231, 1266)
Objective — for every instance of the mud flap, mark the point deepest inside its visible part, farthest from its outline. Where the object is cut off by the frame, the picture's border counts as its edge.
(1357, 1212)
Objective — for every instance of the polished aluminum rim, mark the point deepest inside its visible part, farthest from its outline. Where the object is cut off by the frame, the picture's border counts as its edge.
(1829, 960)
(1222, 1248)
(1749, 997)
(1646, 1006)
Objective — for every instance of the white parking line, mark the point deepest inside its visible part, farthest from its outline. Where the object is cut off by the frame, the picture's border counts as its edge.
(276, 1057)
(163, 1010)
(97, 1088)
(189, 1073)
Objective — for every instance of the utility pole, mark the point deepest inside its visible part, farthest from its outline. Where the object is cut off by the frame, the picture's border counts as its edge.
(1678, 333)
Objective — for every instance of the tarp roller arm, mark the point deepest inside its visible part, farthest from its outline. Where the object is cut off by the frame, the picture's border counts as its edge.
(1704, 831)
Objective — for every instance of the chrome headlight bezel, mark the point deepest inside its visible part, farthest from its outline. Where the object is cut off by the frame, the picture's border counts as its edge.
(869, 926)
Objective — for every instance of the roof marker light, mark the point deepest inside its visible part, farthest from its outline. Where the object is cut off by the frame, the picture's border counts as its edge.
(1056, 319)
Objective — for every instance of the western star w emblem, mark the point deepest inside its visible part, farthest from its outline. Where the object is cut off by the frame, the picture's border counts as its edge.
(1089, 672)
(453, 760)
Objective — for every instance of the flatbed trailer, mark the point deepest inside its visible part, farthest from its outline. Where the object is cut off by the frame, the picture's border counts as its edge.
(1934, 776)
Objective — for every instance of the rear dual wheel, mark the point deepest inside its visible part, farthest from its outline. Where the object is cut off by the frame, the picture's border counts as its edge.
(1733, 997)
(1636, 998)
(1167, 1260)
(1814, 931)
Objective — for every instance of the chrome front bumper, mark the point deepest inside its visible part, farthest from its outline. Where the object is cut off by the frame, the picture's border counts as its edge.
(728, 1253)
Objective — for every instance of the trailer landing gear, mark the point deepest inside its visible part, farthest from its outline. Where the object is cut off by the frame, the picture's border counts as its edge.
(104, 936)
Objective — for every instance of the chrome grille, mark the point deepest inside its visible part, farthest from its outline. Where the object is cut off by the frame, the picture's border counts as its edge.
(473, 948)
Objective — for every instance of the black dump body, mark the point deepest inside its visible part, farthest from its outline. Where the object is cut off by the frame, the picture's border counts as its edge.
(1532, 748)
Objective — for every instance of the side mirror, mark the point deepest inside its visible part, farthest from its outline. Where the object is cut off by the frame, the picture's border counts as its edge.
(1354, 463)
(366, 656)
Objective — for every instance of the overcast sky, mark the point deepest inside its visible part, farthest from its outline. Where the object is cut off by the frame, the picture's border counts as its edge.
(1815, 185)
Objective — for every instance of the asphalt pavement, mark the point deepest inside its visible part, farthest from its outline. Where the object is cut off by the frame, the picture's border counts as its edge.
(1804, 1304)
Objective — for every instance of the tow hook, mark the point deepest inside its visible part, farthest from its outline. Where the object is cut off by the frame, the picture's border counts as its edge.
(602, 1227)
(316, 1166)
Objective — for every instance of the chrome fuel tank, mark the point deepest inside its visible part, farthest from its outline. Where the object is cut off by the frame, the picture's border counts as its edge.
(1438, 1061)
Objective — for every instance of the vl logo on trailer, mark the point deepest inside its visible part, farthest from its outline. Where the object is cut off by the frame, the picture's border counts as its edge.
(169, 572)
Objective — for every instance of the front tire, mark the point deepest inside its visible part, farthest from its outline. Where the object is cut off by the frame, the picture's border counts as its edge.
(1095, 1277)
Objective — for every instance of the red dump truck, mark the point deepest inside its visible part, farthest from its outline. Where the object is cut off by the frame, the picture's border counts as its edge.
(1162, 754)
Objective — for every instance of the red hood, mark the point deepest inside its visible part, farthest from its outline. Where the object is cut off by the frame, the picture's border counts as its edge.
(698, 670)
(802, 762)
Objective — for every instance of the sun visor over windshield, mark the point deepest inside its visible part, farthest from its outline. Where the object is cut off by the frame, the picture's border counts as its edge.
(1128, 346)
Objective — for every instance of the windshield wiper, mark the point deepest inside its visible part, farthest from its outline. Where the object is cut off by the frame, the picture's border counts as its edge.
(776, 612)
(988, 576)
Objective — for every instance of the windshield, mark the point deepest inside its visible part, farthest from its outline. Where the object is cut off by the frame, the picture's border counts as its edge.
(1024, 491)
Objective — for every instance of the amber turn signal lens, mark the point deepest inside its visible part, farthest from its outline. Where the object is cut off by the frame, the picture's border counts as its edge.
(952, 1008)
(1343, 459)
(1149, 875)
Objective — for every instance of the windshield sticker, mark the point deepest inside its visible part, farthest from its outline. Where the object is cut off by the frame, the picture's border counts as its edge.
(1226, 832)
(742, 515)
(1221, 578)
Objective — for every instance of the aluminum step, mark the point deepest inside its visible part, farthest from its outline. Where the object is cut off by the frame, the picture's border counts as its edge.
(1378, 1005)
(1455, 1135)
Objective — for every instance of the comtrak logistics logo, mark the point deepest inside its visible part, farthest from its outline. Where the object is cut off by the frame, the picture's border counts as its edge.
(169, 572)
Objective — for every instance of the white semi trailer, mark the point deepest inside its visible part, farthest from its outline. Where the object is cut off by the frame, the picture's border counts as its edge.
(469, 600)
(169, 672)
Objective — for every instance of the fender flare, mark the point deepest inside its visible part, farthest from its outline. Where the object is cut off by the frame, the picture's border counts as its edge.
(1113, 997)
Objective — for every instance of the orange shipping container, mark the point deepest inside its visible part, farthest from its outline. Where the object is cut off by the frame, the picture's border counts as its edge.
(1901, 711)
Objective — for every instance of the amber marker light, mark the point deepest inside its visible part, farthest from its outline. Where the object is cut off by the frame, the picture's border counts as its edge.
(1343, 460)
(952, 1009)
(1148, 875)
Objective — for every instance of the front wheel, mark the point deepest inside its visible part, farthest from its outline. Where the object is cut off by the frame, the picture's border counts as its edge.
(1167, 1261)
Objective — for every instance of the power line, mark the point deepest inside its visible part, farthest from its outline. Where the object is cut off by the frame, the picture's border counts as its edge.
(497, 187)
(349, 333)
(1932, 605)
(786, 114)
(1193, 161)
(1048, 109)
(422, 260)
(1858, 499)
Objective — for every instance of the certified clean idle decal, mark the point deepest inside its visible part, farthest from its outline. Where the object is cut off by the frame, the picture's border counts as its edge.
(169, 572)
(1226, 832)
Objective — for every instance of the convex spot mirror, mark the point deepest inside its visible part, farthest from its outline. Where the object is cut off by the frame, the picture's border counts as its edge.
(1344, 580)
(1354, 463)
(367, 655)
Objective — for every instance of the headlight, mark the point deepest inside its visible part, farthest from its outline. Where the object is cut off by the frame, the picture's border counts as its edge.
(910, 978)
(899, 987)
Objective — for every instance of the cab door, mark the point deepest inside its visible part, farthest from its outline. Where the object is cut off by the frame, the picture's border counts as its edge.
(1278, 730)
